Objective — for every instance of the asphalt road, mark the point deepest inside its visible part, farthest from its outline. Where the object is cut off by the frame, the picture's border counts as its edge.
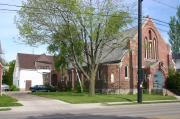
(42, 108)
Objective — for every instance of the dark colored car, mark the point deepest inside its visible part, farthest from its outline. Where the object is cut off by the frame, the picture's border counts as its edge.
(42, 88)
(39, 88)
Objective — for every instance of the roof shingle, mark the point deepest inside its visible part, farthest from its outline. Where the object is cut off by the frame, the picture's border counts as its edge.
(27, 61)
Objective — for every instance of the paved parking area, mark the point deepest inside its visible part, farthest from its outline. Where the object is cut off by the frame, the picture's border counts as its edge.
(32, 103)
(36, 103)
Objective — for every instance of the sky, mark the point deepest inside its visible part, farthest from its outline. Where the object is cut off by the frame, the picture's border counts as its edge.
(9, 35)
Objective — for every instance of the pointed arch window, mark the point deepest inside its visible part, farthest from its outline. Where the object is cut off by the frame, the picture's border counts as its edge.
(150, 35)
(150, 46)
(146, 47)
(154, 48)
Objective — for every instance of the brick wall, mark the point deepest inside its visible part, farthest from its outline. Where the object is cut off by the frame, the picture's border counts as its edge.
(112, 76)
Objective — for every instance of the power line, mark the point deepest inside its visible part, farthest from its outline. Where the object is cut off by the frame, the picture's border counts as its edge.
(10, 10)
(159, 22)
(135, 18)
(163, 30)
(165, 4)
(20, 6)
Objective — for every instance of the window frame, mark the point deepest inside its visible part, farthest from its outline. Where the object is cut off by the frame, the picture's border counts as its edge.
(126, 72)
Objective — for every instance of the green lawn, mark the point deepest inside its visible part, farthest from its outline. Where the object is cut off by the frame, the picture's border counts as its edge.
(99, 98)
(5, 109)
(6, 101)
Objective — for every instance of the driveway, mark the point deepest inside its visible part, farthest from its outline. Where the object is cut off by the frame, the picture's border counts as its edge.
(35, 103)
(32, 103)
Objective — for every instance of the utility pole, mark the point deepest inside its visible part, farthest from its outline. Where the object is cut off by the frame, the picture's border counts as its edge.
(140, 72)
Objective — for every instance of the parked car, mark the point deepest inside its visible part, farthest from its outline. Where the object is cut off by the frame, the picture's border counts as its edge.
(42, 88)
(5, 87)
(39, 88)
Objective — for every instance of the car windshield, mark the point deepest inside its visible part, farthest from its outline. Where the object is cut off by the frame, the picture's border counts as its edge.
(41, 86)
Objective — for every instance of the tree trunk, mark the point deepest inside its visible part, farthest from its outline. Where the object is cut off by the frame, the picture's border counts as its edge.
(80, 83)
(92, 84)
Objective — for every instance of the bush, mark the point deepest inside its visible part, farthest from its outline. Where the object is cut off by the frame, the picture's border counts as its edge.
(77, 87)
(13, 88)
(173, 82)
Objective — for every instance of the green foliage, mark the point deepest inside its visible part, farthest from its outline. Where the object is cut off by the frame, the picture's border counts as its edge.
(174, 33)
(6, 101)
(173, 81)
(76, 31)
(77, 87)
(8, 73)
(13, 88)
(115, 22)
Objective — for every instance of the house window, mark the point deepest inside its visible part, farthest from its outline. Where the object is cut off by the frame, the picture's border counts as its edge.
(146, 47)
(112, 78)
(44, 67)
(18, 83)
(98, 75)
(126, 72)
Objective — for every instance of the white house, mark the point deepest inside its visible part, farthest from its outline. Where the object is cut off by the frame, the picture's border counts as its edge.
(176, 58)
(32, 70)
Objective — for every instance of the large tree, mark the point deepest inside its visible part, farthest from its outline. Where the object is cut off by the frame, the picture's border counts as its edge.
(79, 32)
(8, 73)
(174, 32)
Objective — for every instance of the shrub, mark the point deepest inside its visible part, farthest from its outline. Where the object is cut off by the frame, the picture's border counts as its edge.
(13, 88)
(173, 82)
(77, 87)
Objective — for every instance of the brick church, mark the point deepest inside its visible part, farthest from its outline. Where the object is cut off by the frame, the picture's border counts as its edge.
(118, 71)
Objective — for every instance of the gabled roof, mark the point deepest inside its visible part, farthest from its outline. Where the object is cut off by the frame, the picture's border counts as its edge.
(27, 61)
(117, 54)
(122, 39)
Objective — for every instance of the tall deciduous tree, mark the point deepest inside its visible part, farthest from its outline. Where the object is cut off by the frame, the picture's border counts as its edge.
(174, 32)
(80, 32)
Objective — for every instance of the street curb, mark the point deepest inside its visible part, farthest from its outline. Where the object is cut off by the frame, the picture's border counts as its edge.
(144, 102)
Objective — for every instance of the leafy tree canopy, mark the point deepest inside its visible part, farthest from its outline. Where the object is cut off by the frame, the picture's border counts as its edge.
(77, 31)
(8, 73)
(174, 32)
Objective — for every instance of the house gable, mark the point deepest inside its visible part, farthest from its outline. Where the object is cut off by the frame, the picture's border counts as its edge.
(28, 61)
